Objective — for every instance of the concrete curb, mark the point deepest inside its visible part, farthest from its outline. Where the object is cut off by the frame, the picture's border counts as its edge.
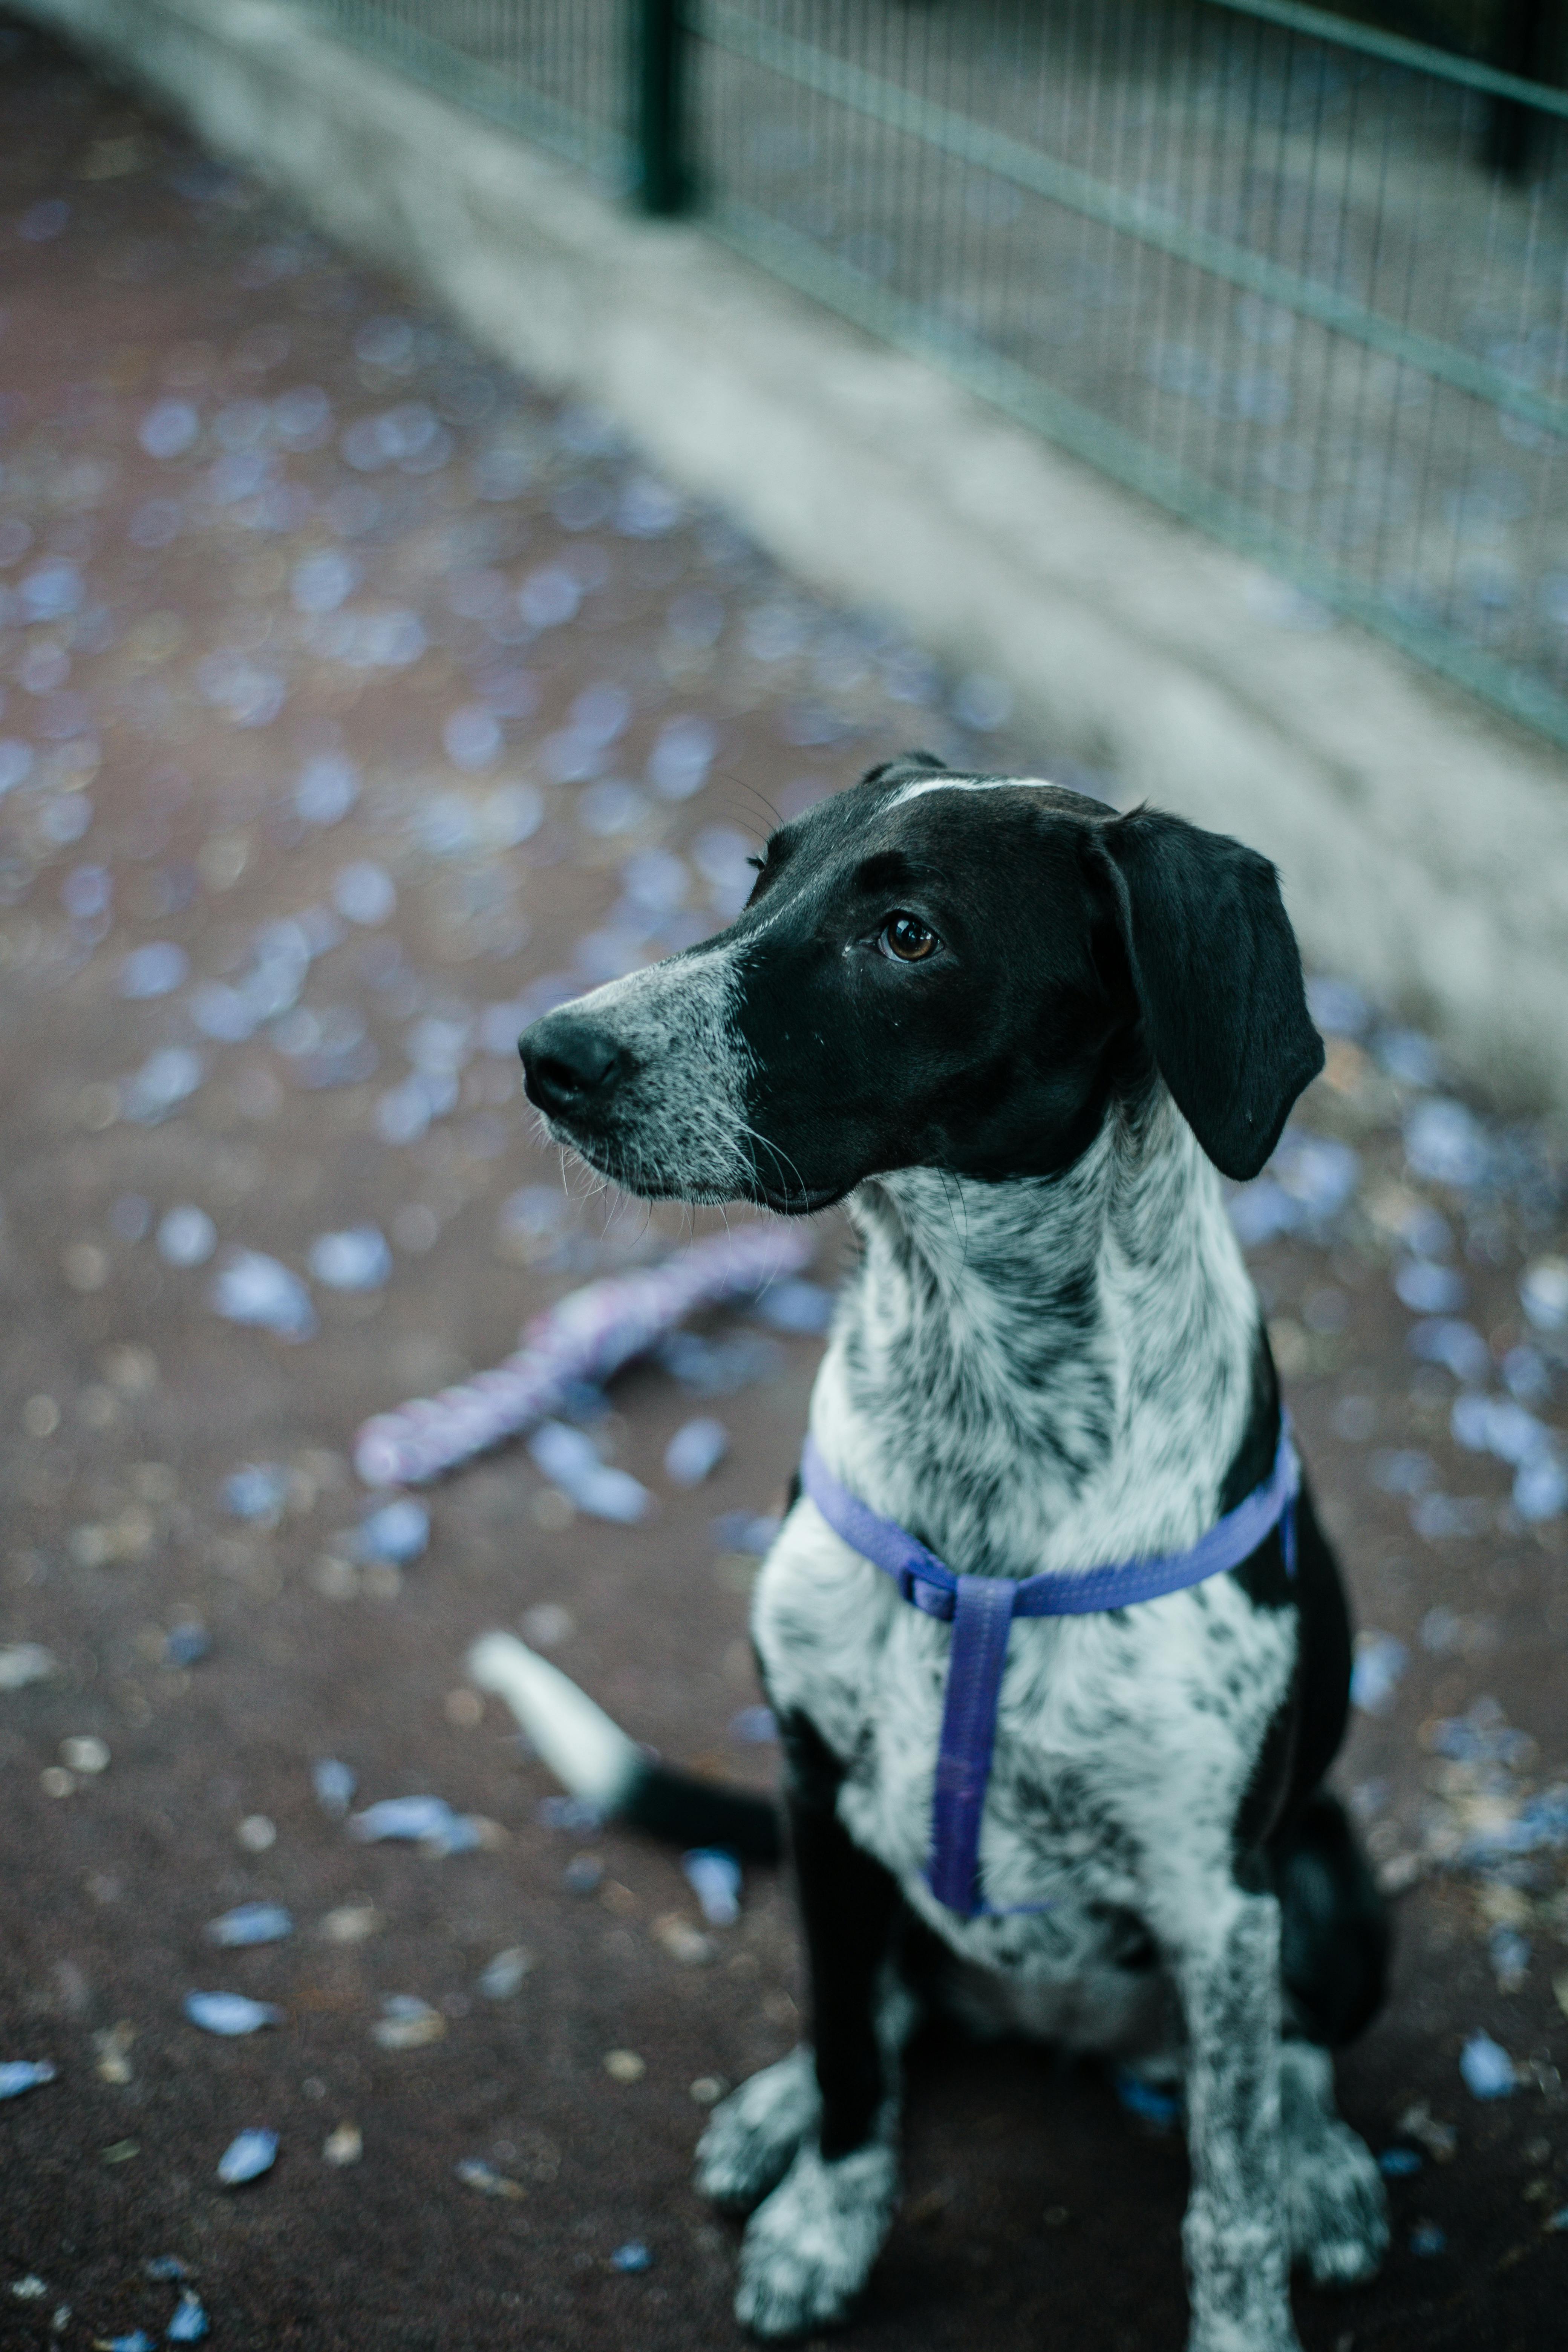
(1424, 844)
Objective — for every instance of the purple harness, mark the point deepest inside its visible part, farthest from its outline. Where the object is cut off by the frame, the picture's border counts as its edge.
(982, 1610)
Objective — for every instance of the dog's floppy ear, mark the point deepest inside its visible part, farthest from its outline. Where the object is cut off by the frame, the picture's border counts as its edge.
(908, 763)
(1217, 976)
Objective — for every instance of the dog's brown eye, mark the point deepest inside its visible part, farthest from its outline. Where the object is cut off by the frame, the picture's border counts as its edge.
(907, 940)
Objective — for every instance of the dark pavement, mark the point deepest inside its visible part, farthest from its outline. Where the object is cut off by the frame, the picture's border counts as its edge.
(358, 701)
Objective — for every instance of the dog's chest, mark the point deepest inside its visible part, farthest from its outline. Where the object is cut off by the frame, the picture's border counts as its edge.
(1122, 1741)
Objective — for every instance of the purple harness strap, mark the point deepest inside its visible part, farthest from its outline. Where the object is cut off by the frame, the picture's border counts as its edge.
(982, 1609)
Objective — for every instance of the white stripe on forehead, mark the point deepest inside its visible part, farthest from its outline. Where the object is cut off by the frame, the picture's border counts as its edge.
(970, 784)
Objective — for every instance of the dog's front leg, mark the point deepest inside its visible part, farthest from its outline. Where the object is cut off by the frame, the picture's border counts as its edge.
(809, 2249)
(1227, 1959)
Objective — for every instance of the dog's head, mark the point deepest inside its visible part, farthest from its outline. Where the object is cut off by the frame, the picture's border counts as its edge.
(941, 971)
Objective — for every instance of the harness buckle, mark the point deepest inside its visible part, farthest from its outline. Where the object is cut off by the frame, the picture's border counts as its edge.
(931, 1599)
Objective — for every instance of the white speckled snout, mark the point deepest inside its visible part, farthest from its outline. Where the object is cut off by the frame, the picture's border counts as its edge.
(675, 1126)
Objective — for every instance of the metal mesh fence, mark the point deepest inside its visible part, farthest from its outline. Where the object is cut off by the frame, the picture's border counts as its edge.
(1263, 265)
(560, 71)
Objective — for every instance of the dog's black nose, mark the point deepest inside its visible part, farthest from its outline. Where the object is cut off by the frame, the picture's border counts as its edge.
(568, 1064)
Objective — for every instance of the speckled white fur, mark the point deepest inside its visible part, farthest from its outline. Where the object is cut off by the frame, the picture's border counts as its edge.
(1045, 1374)
(1336, 2209)
(1055, 1374)
(1051, 1374)
(809, 2250)
(682, 1105)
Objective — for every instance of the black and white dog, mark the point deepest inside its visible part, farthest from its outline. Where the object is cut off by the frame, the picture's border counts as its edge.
(1017, 1034)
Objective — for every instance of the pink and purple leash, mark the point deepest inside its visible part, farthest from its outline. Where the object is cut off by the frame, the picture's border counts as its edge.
(586, 1336)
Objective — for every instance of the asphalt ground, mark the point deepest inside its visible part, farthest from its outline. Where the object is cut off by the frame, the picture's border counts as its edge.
(302, 597)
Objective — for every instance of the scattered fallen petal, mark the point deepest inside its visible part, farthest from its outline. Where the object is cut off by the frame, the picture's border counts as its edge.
(19, 2075)
(24, 1663)
(1152, 2105)
(1380, 1662)
(714, 1878)
(397, 1531)
(258, 1491)
(403, 1817)
(244, 2159)
(351, 1923)
(754, 1726)
(334, 1785)
(1544, 1293)
(406, 2022)
(230, 2013)
(257, 1835)
(1337, 1007)
(163, 2267)
(625, 2065)
(137, 2341)
(547, 1624)
(466, 1833)
(165, 1079)
(190, 2322)
(688, 1946)
(797, 1306)
(364, 893)
(1426, 2238)
(476, 2174)
(1458, 1346)
(186, 1237)
(577, 1815)
(111, 2046)
(255, 1289)
(154, 970)
(697, 1448)
(185, 1645)
(328, 785)
(1428, 1288)
(633, 2256)
(1487, 2068)
(503, 1976)
(1398, 2163)
(343, 2144)
(358, 1259)
(1446, 1143)
(250, 1923)
(747, 1531)
(569, 1457)
(1541, 1489)
(88, 1755)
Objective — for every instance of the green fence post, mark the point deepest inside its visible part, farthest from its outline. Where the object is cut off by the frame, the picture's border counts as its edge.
(1518, 46)
(663, 174)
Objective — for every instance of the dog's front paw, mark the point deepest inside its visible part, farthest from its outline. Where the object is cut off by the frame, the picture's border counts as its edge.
(752, 2140)
(1336, 2209)
(1265, 2332)
(809, 2251)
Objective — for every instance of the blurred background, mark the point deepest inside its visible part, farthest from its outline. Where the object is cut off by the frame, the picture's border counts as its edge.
(467, 473)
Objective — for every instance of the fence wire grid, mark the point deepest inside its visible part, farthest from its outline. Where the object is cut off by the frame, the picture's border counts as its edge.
(1301, 281)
